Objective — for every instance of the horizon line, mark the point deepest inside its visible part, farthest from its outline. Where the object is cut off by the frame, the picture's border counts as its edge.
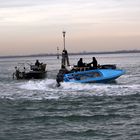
(78, 53)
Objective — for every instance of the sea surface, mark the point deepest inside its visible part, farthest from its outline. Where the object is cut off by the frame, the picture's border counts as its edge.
(38, 110)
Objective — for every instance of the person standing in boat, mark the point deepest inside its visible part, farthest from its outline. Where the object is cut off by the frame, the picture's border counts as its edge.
(93, 64)
(37, 63)
(37, 66)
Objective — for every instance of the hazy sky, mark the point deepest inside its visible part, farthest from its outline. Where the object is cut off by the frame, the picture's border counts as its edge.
(35, 26)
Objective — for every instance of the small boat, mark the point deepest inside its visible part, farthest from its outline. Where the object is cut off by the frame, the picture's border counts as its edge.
(33, 72)
(93, 76)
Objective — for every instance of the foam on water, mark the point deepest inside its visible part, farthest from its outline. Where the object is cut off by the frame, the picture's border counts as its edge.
(47, 89)
(45, 85)
(49, 86)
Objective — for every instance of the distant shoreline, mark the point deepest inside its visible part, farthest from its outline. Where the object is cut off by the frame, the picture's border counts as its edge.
(80, 53)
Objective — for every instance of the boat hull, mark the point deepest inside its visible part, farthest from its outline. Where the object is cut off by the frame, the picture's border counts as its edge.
(35, 75)
(31, 75)
(35, 72)
(94, 76)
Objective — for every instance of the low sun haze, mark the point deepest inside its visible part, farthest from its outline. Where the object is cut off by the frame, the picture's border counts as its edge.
(35, 26)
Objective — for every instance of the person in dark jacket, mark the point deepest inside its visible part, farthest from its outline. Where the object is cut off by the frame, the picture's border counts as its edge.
(37, 63)
(93, 64)
(80, 63)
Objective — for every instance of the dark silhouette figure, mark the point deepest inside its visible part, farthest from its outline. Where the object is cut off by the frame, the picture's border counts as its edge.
(65, 58)
(37, 63)
(80, 63)
(18, 74)
(60, 75)
(93, 64)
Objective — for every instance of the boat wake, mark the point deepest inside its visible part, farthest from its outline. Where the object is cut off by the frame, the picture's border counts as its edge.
(49, 86)
(47, 89)
(44, 85)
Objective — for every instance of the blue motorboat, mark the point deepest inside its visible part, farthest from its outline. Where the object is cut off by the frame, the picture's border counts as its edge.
(86, 73)
(93, 76)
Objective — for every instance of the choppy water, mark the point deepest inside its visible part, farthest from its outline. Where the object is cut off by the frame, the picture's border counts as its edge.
(38, 110)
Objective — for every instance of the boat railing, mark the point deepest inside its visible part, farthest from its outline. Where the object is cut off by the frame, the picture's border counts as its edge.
(107, 66)
(80, 68)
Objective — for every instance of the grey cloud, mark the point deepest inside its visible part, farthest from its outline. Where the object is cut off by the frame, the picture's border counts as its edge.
(24, 3)
(21, 3)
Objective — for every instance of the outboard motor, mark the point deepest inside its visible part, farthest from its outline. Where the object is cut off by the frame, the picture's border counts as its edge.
(60, 75)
